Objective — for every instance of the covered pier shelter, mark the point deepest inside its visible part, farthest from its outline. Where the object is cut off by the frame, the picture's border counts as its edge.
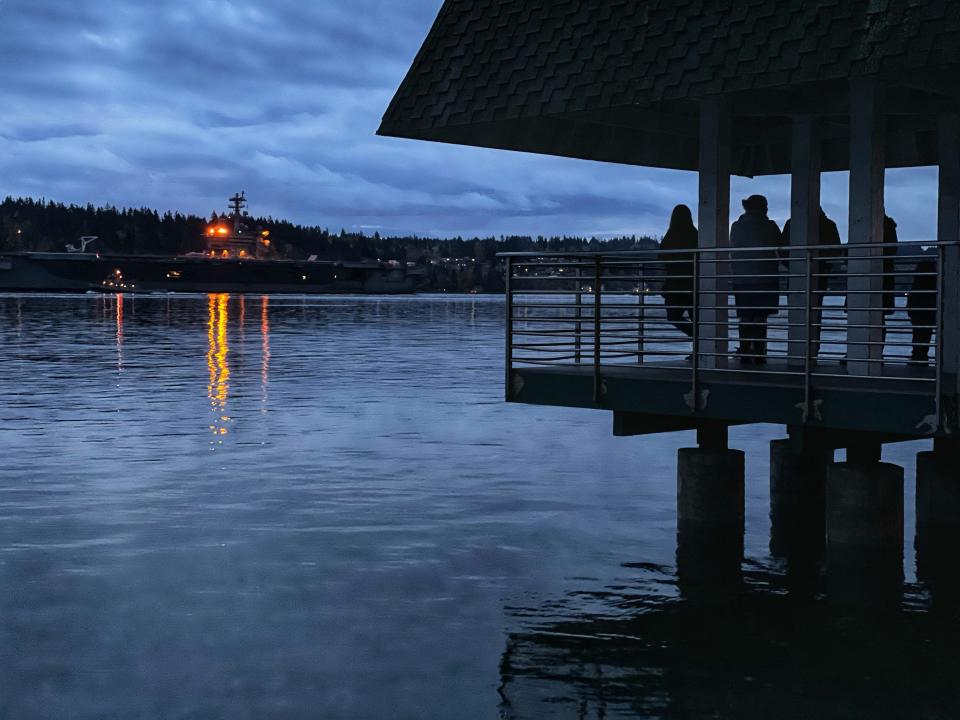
(725, 88)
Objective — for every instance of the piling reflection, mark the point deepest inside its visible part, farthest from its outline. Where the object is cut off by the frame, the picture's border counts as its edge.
(936, 561)
(218, 349)
(798, 504)
(938, 522)
(709, 563)
(641, 651)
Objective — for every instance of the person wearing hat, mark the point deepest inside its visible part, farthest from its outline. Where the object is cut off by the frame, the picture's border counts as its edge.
(755, 267)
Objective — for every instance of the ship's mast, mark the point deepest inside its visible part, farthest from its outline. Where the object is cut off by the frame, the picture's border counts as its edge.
(237, 203)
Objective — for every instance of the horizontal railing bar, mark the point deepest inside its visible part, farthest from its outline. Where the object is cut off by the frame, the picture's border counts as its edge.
(531, 361)
(630, 326)
(660, 269)
(629, 254)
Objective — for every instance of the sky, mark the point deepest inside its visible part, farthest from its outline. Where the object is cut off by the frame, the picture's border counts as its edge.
(177, 104)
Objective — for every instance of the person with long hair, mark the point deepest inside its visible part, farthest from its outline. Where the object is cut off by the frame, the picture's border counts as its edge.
(677, 290)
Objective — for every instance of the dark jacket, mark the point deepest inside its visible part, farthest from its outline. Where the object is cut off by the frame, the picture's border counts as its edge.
(832, 250)
(889, 265)
(755, 270)
(680, 268)
(922, 298)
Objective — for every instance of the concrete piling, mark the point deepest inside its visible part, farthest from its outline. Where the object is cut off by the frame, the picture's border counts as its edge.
(845, 518)
(938, 517)
(864, 521)
(710, 515)
(797, 500)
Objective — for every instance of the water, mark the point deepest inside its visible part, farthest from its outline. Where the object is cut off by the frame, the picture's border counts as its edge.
(321, 508)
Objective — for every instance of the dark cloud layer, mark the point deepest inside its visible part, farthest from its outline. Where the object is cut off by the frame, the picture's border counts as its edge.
(175, 104)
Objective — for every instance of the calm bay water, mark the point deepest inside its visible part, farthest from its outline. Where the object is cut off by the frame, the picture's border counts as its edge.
(235, 507)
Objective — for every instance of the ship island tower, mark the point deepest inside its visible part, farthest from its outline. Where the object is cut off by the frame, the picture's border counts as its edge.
(237, 240)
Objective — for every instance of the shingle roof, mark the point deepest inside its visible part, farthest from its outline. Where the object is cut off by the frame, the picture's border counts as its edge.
(505, 63)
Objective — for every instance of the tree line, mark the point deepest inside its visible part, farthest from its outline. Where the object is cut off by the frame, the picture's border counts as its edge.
(453, 264)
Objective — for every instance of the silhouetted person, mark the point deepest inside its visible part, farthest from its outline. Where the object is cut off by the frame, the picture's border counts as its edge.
(829, 240)
(889, 270)
(756, 285)
(678, 286)
(921, 306)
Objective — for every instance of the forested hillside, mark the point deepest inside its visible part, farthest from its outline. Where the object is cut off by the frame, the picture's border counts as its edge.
(454, 264)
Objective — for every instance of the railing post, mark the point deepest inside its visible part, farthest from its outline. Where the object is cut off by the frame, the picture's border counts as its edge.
(939, 345)
(578, 326)
(508, 355)
(695, 321)
(809, 343)
(641, 302)
(597, 307)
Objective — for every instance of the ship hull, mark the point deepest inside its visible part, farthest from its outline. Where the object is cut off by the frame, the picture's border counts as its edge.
(83, 272)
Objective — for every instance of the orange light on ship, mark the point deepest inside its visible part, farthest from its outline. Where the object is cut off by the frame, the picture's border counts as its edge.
(211, 231)
(222, 230)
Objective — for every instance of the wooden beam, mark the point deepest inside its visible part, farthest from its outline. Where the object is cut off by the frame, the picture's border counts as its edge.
(819, 99)
(714, 219)
(948, 230)
(627, 424)
(804, 230)
(652, 120)
(939, 82)
(867, 158)
(829, 102)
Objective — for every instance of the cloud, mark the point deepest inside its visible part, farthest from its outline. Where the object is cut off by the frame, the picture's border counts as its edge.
(176, 104)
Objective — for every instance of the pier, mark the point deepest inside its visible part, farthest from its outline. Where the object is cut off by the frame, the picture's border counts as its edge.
(592, 331)
(754, 90)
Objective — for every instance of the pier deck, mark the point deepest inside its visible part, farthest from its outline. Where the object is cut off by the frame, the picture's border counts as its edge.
(656, 397)
(601, 331)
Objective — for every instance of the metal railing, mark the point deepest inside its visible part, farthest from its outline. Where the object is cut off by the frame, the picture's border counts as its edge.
(800, 313)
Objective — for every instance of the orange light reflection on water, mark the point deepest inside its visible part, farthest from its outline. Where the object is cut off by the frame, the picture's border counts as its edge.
(218, 349)
(265, 339)
(119, 317)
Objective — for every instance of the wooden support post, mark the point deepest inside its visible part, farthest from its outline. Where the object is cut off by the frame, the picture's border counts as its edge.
(948, 230)
(713, 436)
(867, 172)
(804, 230)
(864, 452)
(714, 218)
